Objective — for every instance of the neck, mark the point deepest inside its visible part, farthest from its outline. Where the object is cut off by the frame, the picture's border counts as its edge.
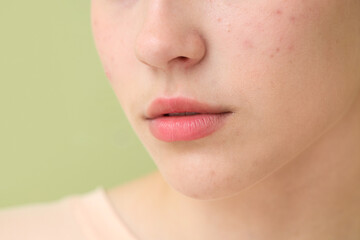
(315, 196)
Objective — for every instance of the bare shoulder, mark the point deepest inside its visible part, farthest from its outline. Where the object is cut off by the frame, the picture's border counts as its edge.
(48, 220)
(138, 195)
(140, 201)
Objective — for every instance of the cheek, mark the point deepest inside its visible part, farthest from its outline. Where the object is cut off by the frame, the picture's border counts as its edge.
(267, 43)
(108, 27)
(105, 44)
(269, 33)
(118, 62)
(102, 40)
(283, 71)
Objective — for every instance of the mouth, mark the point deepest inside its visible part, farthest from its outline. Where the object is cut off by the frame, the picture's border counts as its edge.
(180, 114)
(180, 107)
(182, 119)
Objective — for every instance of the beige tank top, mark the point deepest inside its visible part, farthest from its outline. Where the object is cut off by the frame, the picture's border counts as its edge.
(88, 216)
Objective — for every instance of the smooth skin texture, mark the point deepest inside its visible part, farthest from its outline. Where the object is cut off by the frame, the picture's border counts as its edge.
(286, 165)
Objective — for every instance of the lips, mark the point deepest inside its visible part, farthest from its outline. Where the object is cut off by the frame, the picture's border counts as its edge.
(184, 119)
(161, 107)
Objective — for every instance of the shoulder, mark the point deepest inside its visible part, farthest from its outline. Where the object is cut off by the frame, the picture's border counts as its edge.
(136, 200)
(41, 221)
(131, 194)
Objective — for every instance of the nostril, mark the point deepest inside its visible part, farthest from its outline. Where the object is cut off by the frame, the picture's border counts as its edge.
(182, 61)
(182, 58)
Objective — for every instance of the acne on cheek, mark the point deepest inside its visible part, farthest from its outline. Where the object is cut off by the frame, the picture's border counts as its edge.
(286, 44)
(108, 74)
(108, 65)
(94, 22)
(283, 44)
(103, 39)
(107, 61)
(248, 44)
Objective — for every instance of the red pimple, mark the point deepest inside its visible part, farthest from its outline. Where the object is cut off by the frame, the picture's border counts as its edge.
(278, 12)
(108, 74)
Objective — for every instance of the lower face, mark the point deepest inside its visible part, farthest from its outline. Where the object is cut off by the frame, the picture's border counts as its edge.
(288, 70)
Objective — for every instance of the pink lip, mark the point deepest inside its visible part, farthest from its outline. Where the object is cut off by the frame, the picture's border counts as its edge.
(183, 128)
(161, 106)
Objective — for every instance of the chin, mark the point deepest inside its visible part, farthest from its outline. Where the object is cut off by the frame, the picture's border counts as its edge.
(206, 191)
(207, 184)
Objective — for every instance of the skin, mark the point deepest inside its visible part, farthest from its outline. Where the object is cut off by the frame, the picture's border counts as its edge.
(286, 165)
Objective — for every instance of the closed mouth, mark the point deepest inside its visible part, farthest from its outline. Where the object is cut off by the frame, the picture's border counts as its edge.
(180, 107)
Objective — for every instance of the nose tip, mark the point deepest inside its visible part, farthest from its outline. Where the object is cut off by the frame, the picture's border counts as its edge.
(163, 47)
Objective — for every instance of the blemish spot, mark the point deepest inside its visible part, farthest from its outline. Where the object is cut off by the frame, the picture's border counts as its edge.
(248, 44)
(290, 48)
(247, 24)
(292, 19)
(272, 55)
(228, 27)
(277, 49)
(108, 74)
(278, 12)
(219, 19)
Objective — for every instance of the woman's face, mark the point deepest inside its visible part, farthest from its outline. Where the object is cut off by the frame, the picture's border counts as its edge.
(286, 69)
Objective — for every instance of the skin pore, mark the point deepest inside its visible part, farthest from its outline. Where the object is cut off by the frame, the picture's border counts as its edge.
(286, 165)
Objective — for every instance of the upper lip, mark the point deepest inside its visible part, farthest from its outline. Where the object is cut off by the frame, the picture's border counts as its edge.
(161, 106)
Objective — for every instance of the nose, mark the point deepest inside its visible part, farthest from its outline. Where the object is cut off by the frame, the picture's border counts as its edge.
(167, 39)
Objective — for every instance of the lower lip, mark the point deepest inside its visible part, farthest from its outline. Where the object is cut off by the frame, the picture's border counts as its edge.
(186, 128)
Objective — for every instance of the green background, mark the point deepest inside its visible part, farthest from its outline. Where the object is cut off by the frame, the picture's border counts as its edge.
(62, 130)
